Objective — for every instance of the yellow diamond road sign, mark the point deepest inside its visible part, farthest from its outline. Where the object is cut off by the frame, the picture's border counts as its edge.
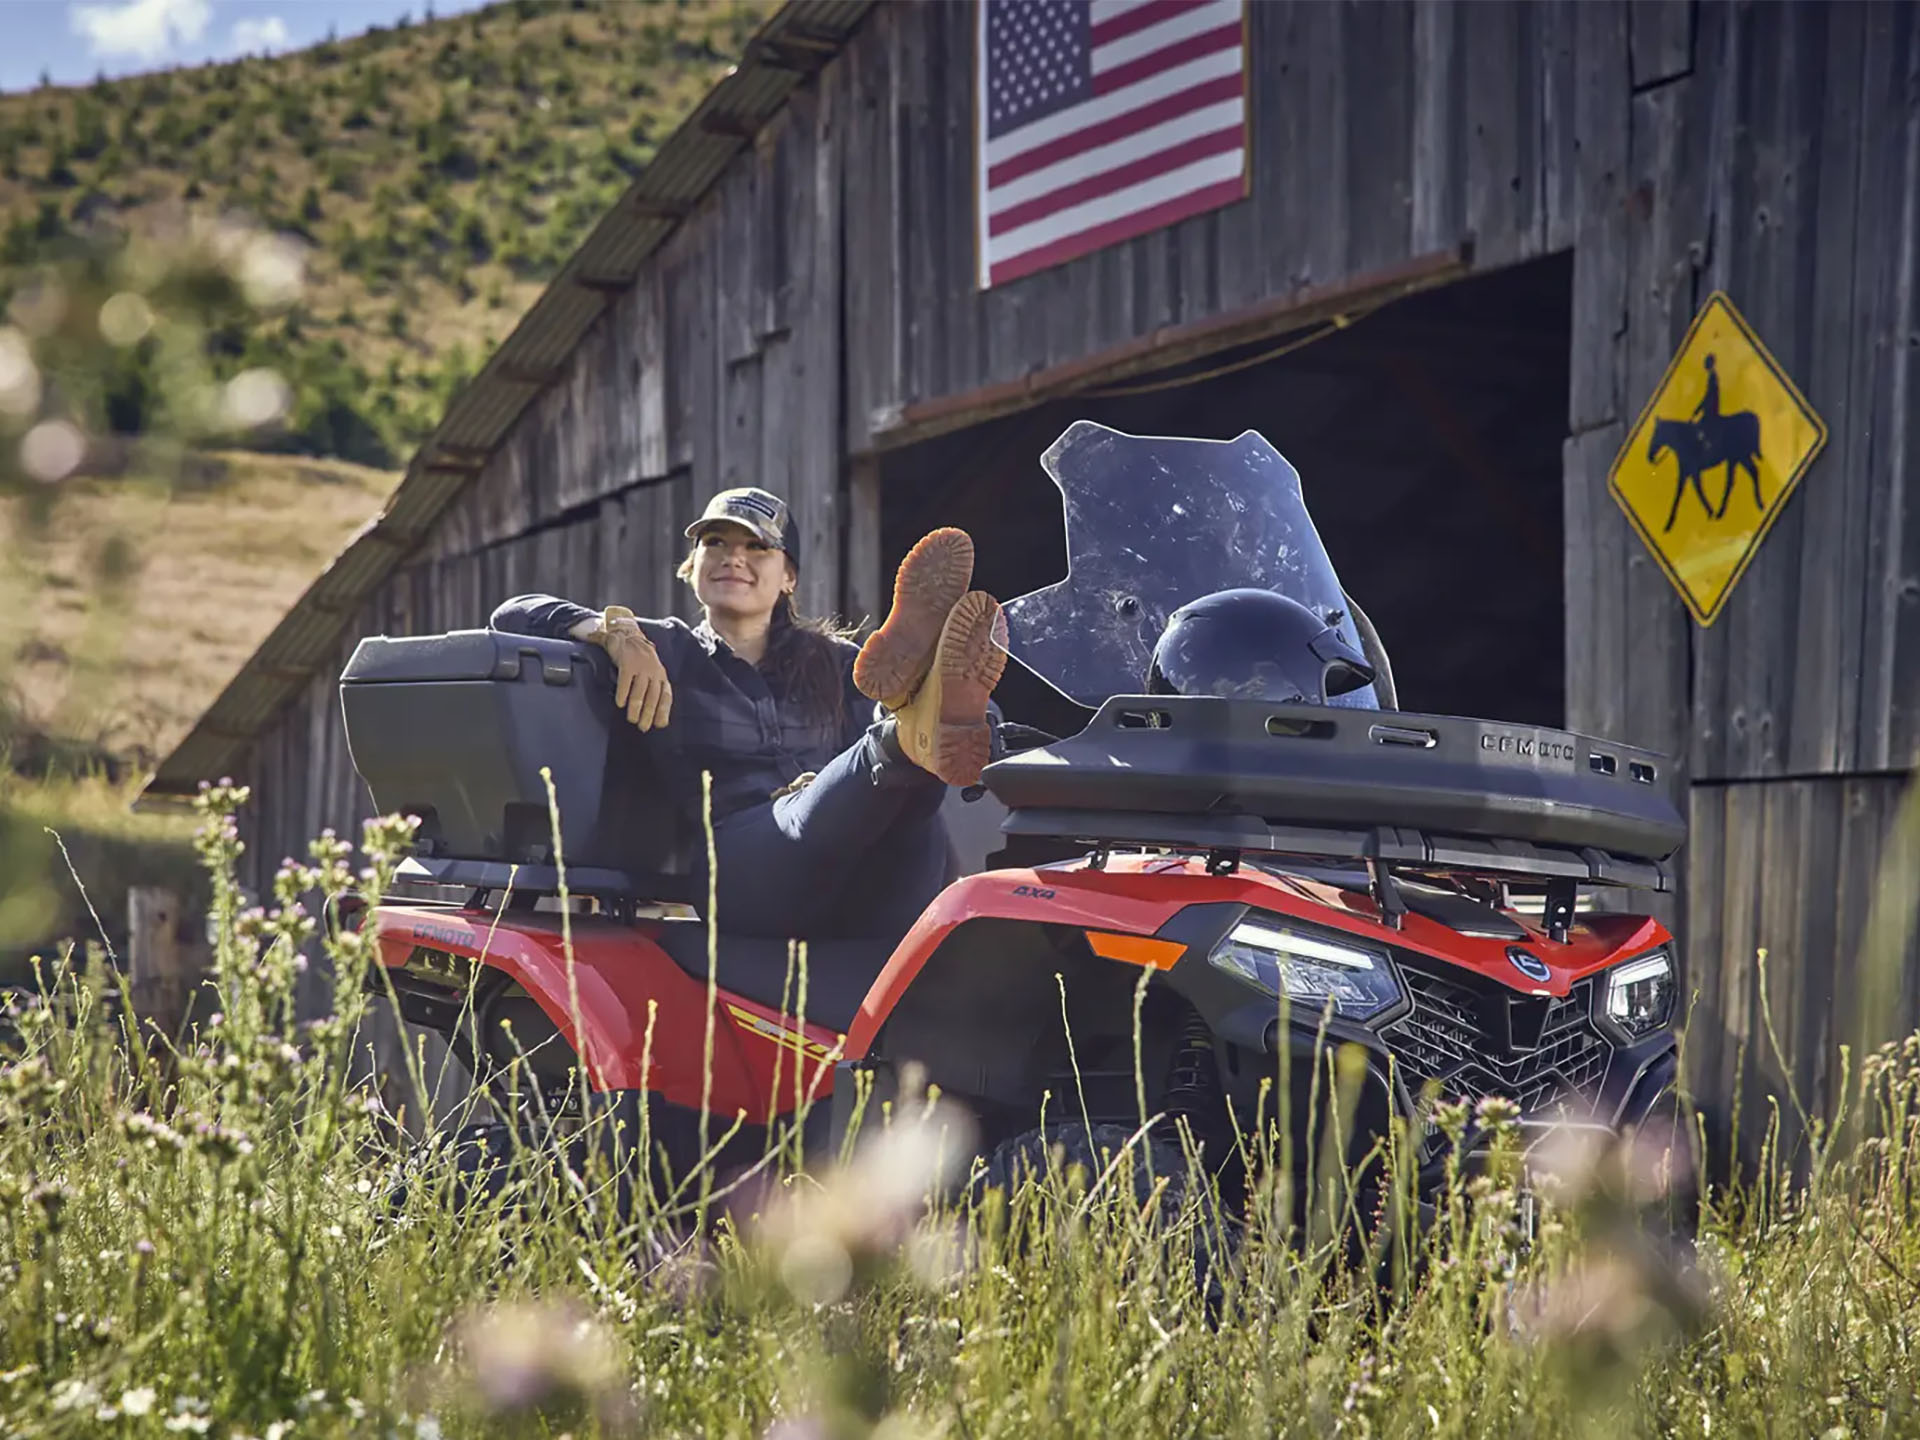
(1714, 457)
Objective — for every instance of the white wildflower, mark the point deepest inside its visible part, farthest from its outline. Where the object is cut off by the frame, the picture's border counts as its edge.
(74, 1395)
(138, 1402)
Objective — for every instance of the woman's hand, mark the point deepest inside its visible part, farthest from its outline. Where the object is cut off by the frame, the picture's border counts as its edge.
(640, 687)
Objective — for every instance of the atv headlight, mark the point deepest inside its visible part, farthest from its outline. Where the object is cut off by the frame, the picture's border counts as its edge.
(1640, 993)
(1308, 968)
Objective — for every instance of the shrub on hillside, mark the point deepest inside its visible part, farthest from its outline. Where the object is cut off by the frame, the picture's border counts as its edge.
(59, 169)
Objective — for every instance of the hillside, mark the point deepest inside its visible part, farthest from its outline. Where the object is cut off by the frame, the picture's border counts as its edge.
(439, 172)
(435, 174)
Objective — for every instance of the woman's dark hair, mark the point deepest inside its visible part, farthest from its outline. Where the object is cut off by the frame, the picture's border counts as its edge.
(804, 661)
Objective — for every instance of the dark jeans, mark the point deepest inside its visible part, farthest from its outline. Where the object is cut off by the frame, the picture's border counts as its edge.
(858, 854)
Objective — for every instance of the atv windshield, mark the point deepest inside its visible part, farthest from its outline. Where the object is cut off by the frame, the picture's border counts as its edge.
(1152, 523)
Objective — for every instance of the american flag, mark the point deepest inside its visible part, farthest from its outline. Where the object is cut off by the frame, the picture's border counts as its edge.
(1099, 120)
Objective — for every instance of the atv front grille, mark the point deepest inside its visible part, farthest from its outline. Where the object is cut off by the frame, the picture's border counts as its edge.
(1444, 1040)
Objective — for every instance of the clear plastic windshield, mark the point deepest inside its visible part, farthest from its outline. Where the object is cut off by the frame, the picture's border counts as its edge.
(1152, 523)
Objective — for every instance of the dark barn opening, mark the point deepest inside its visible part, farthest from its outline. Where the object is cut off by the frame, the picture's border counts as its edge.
(1428, 439)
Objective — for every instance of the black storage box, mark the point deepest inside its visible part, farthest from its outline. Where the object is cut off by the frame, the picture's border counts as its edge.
(455, 729)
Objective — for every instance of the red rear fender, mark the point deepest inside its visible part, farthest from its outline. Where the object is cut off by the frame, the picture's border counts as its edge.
(643, 1022)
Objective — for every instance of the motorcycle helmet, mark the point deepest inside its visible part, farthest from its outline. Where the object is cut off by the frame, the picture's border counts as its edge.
(1255, 645)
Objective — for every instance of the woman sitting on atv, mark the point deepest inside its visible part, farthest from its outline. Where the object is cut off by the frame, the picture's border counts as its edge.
(826, 809)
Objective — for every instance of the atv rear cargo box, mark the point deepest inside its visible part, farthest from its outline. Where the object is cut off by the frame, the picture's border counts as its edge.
(455, 728)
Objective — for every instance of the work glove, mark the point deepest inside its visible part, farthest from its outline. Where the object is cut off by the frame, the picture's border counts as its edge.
(640, 686)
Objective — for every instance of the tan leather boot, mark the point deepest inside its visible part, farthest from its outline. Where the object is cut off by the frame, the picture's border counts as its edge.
(943, 728)
(929, 583)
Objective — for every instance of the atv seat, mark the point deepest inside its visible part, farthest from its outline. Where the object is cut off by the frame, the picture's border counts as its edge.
(839, 972)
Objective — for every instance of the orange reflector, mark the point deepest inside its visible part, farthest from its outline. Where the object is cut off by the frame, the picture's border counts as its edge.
(1136, 949)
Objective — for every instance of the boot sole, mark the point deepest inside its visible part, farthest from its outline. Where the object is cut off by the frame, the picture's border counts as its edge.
(967, 667)
(900, 654)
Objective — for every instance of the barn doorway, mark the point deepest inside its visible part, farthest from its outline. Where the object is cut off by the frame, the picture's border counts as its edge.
(1428, 440)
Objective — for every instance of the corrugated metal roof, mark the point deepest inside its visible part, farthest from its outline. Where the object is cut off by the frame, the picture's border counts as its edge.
(796, 41)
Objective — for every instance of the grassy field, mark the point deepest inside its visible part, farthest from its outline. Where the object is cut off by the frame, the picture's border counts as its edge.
(129, 615)
(234, 1242)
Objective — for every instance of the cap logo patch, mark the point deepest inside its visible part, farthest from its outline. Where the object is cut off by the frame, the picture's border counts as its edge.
(755, 504)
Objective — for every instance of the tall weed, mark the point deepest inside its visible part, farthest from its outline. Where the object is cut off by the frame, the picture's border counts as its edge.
(232, 1237)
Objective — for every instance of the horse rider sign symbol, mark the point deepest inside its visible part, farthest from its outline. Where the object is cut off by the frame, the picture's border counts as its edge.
(1714, 457)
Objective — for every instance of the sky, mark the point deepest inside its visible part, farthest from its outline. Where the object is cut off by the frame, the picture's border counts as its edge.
(74, 40)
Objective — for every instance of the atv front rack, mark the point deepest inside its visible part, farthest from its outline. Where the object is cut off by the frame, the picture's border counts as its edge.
(1390, 789)
(1234, 835)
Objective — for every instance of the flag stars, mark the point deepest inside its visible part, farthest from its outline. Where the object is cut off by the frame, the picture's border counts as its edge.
(1037, 60)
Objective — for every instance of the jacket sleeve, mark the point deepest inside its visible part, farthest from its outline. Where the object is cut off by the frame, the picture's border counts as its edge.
(547, 615)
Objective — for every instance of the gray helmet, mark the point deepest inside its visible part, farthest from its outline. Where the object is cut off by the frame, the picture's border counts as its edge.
(1255, 645)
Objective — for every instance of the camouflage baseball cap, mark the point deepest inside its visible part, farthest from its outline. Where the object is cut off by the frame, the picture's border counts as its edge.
(760, 511)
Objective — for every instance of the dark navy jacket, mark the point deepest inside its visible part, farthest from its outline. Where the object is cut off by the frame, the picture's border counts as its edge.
(727, 718)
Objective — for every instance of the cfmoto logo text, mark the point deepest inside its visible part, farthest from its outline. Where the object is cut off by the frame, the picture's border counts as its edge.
(1529, 965)
(1526, 747)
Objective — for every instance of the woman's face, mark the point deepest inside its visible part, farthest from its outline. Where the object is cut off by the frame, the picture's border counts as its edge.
(737, 574)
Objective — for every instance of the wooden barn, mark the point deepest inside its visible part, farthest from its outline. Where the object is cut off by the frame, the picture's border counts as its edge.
(1469, 241)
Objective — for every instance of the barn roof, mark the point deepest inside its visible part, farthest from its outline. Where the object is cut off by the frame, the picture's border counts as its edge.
(797, 41)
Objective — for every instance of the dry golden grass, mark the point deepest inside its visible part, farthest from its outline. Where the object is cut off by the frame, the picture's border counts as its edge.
(133, 609)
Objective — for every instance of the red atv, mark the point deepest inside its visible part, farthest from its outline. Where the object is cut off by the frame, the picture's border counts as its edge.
(1239, 881)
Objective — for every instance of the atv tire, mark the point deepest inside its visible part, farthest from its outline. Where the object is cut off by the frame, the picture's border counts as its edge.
(1028, 1157)
(1155, 1159)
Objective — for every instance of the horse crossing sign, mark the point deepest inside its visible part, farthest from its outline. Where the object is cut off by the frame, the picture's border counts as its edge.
(1726, 410)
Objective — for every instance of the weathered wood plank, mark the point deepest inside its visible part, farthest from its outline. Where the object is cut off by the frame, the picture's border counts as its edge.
(1662, 32)
(1597, 541)
(649, 404)
(1704, 960)
(705, 366)
(1558, 222)
(743, 402)
(936, 198)
(779, 149)
(964, 337)
(1324, 85)
(1244, 232)
(1830, 833)
(1379, 155)
(863, 130)
(1889, 239)
(678, 271)
(1502, 175)
(865, 594)
(1439, 128)
(738, 293)
(1822, 719)
(819, 436)
(1600, 301)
